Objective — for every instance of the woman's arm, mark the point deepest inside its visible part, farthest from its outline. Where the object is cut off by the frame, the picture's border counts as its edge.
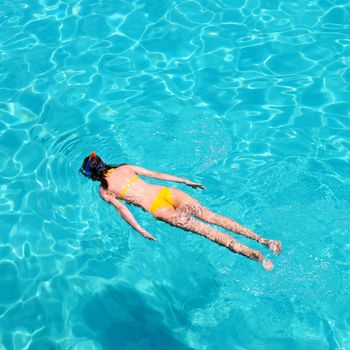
(125, 213)
(149, 173)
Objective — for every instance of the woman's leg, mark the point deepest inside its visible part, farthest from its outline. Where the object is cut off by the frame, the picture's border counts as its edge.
(191, 206)
(186, 222)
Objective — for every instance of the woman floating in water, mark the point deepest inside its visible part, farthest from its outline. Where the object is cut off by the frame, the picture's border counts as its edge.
(168, 204)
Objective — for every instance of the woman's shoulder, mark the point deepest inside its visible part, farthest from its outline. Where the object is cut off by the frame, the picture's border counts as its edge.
(121, 170)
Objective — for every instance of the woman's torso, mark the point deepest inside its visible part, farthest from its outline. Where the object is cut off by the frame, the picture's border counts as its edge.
(122, 181)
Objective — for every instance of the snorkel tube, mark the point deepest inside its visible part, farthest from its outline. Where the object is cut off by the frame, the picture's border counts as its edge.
(87, 171)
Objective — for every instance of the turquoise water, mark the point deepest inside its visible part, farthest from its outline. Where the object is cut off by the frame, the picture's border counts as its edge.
(249, 98)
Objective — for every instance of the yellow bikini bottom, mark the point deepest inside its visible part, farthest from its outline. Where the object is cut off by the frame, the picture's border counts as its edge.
(163, 199)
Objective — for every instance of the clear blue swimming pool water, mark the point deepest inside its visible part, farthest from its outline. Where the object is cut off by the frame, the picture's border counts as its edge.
(250, 98)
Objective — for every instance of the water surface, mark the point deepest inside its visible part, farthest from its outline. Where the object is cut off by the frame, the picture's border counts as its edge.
(249, 98)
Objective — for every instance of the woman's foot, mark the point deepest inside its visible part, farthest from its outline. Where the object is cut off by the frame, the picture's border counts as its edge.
(275, 246)
(267, 264)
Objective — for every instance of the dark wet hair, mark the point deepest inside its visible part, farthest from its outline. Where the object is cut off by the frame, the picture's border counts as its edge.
(95, 168)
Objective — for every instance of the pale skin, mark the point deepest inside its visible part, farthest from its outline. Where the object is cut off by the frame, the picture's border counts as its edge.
(186, 213)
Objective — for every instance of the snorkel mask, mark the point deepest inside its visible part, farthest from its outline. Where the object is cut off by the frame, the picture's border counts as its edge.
(87, 171)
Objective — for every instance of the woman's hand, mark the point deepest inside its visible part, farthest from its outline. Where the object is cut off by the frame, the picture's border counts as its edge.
(148, 235)
(194, 185)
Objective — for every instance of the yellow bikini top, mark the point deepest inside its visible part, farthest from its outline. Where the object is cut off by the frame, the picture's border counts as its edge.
(108, 172)
(127, 186)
